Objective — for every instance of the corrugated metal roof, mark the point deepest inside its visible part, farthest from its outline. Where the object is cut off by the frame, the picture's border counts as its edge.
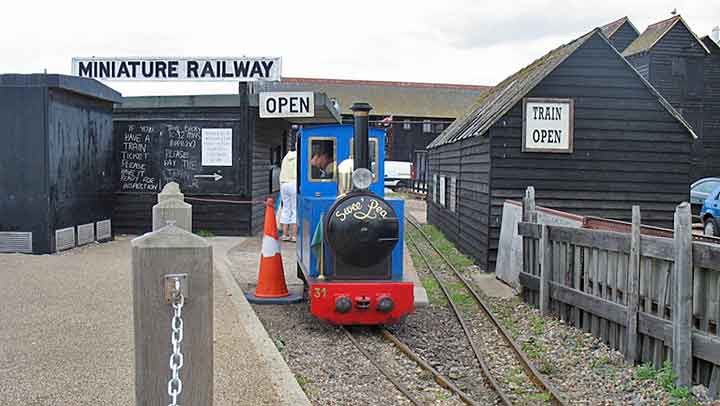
(610, 29)
(432, 100)
(654, 33)
(495, 103)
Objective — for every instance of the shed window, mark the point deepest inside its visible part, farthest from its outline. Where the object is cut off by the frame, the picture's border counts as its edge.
(406, 125)
(442, 191)
(427, 126)
(434, 188)
(439, 127)
(322, 159)
(453, 193)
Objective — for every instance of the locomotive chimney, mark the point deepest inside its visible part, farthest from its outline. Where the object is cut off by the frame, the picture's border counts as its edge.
(361, 156)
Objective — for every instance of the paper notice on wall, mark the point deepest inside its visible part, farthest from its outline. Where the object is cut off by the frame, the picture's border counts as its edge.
(217, 147)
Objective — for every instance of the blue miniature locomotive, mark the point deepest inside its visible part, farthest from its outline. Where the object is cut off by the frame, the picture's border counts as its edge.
(350, 238)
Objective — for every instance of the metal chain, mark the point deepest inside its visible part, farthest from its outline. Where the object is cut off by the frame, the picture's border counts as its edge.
(176, 337)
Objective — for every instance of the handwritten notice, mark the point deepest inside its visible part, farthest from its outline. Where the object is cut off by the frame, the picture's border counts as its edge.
(217, 147)
(136, 160)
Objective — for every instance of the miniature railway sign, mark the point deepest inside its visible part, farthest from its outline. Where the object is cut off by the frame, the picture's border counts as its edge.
(241, 69)
(548, 125)
(287, 104)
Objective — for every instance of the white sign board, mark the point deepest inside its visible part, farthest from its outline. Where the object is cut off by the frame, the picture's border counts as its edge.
(287, 104)
(242, 69)
(548, 125)
(217, 147)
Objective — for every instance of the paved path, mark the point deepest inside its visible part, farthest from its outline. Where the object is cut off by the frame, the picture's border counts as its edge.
(66, 333)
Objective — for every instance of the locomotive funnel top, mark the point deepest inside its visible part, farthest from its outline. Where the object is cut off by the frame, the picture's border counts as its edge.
(361, 153)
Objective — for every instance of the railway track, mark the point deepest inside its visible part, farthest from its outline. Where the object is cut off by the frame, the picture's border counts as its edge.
(518, 382)
(441, 380)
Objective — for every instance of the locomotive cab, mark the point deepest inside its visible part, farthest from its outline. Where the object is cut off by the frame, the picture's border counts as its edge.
(350, 244)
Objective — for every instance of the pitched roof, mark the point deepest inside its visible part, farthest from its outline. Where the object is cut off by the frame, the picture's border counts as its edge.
(411, 99)
(654, 33)
(712, 46)
(610, 29)
(495, 103)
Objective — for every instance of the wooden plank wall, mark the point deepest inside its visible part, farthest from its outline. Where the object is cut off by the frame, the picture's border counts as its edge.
(268, 135)
(628, 148)
(623, 37)
(467, 227)
(592, 288)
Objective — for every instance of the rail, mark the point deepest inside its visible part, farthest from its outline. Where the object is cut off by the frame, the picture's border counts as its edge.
(532, 373)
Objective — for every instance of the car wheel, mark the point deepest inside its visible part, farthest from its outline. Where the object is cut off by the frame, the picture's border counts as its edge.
(711, 227)
(401, 185)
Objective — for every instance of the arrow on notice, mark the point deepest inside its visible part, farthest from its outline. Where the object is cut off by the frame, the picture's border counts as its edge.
(214, 176)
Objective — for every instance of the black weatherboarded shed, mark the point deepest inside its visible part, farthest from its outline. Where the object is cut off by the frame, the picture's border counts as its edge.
(159, 139)
(630, 147)
(56, 176)
(680, 66)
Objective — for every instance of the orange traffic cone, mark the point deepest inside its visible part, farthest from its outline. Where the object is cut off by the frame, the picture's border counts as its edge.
(271, 287)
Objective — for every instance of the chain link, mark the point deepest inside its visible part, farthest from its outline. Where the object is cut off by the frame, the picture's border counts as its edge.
(176, 337)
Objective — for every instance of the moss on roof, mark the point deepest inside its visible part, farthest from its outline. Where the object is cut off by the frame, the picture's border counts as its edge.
(654, 33)
(498, 100)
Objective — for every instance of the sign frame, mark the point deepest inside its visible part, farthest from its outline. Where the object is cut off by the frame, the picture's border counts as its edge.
(264, 96)
(571, 124)
(275, 71)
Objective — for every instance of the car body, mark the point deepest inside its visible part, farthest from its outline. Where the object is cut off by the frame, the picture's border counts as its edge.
(398, 174)
(710, 213)
(700, 189)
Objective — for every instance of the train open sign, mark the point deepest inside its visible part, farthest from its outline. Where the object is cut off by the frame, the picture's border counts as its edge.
(287, 104)
(548, 125)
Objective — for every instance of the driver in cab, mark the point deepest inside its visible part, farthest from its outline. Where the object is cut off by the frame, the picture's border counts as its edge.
(322, 165)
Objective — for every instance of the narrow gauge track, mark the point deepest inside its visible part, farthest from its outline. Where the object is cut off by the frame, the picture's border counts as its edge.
(495, 339)
(411, 355)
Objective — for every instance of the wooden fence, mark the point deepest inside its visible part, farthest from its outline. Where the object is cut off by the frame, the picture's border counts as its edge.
(652, 298)
(420, 169)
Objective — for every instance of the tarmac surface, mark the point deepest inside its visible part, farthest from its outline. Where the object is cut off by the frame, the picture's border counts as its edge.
(66, 336)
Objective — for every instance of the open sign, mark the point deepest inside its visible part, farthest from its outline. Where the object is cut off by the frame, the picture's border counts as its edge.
(287, 104)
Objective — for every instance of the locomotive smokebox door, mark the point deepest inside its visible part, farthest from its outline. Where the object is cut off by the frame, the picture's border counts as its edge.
(362, 230)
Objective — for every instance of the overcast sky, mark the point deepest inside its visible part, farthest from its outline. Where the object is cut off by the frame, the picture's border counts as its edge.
(450, 41)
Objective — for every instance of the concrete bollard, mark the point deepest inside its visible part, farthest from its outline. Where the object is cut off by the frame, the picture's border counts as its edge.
(166, 263)
(171, 191)
(172, 208)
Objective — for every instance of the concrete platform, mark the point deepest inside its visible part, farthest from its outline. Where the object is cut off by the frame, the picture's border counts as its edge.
(243, 258)
(492, 286)
(67, 333)
(417, 208)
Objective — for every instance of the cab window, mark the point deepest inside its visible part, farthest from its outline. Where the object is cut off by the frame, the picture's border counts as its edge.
(322, 159)
(373, 155)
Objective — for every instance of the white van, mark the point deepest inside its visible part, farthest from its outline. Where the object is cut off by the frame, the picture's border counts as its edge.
(397, 174)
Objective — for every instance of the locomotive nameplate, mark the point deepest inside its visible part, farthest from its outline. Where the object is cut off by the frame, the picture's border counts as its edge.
(364, 209)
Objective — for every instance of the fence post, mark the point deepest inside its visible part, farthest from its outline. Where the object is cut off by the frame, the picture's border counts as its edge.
(682, 300)
(529, 213)
(171, 207)
(633, 291)
(545, 271)
(159, 259)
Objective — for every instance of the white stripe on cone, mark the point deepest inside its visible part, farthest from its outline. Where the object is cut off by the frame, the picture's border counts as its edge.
(270, 247)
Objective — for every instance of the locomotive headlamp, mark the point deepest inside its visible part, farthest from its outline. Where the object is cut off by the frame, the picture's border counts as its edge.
(361, 178)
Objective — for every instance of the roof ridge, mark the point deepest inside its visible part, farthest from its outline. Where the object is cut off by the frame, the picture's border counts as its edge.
(493, 104)
(498, 100)
(383, 83)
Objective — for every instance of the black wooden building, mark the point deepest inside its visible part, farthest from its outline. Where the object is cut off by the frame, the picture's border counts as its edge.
(683, 69)
(56, 176)
(629, 146)
(158, 140)
(413, 114)
(621, 33)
